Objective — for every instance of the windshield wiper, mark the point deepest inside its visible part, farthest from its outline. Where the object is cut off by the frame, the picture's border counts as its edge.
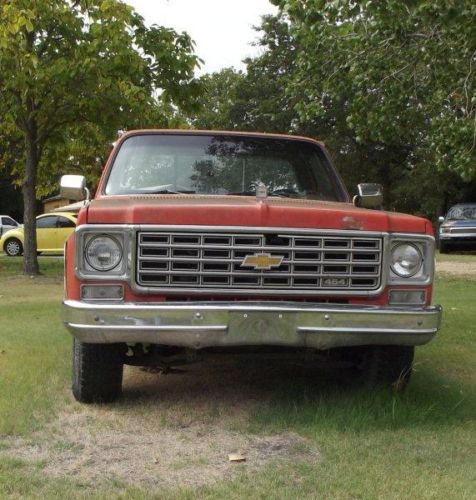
(169, 191)
(278, 193)
(163, 189)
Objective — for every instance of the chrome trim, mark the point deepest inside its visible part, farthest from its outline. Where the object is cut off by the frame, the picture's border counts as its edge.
(198, 325)
(425, 277)
(309, 262)
(240, 230)
(458, 232)
(426, 246)
(124, 233)
(96, 285)
(463, 230)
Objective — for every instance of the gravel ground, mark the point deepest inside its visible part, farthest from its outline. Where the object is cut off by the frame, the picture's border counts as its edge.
(457, 268)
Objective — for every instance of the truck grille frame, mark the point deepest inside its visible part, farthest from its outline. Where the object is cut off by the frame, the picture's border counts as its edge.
(463, 230)
(208, 260)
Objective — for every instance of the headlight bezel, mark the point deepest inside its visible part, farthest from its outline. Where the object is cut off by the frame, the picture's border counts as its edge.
(425, 245)
(85, 235)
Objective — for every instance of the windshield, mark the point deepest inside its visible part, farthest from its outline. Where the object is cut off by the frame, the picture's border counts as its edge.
(222, 165)
(462, 212)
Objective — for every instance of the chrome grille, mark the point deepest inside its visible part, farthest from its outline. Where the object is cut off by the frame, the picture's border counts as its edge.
(463, 230)
(191, 260)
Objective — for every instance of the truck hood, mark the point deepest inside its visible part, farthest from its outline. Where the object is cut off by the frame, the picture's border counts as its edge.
(245, 211)
(459, 223)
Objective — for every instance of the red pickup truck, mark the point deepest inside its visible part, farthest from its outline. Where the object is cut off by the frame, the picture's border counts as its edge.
(198, 241)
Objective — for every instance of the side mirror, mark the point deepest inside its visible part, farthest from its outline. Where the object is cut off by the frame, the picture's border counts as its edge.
(73, 187)
(370, 195)
(441, 219)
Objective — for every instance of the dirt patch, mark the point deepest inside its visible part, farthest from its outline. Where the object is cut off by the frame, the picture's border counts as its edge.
(85, 449)
(169, 430)
(457, 268)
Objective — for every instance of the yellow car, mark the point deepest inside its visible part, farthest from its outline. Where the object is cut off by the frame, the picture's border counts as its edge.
(52, 230)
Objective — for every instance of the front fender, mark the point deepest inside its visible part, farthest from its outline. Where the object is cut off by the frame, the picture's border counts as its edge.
(13, 233)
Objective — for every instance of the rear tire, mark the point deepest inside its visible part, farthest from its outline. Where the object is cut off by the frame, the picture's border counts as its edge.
(97, 372)
(387, 365)
(13, 247)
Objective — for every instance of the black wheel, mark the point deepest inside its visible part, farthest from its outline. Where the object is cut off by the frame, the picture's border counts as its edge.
(13, 247)
(97, 372)
(444, 247)
(386, 365)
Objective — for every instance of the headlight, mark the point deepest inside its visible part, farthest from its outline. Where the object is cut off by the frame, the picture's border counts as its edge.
(444, 229)
(103, 253)
(406, 260)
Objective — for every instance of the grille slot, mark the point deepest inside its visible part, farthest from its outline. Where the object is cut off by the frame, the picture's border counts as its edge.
(463, 230)
(194, 260)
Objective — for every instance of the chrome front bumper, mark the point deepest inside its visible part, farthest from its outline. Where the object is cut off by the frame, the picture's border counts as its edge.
(206, 324)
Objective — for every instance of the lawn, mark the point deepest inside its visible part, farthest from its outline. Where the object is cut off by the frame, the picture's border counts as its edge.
(306, 434)
(467, 256)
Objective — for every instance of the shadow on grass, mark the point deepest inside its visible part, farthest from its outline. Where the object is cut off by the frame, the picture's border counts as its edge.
(277, 395)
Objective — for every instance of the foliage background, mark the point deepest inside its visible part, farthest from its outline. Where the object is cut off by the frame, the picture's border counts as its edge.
(388, 86)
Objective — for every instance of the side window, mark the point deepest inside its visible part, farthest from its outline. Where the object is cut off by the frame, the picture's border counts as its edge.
(65, 222)
(46, 222)
(9, 222)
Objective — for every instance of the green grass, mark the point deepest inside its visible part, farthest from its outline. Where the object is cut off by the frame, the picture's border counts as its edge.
(467, 256)
(372, 444)
(34, 352)
(50, 265)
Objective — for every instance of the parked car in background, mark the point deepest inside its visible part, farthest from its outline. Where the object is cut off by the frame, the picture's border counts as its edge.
(458, 228)
(7, 223)
(52, 230)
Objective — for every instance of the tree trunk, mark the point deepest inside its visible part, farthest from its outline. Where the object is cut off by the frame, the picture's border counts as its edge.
(30, 260)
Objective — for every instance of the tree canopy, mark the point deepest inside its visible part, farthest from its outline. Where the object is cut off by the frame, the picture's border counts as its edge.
(388, 86)
(71, 75)
(405, 68)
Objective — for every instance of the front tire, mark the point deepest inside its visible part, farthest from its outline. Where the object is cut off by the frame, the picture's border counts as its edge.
(97, 372)
(13, 247)
(388, 365)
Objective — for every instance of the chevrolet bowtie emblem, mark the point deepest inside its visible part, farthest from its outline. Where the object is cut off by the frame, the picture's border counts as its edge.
(264, 261)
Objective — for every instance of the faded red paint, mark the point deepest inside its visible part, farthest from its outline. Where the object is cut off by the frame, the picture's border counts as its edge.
(245, 211)
(72, 284)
